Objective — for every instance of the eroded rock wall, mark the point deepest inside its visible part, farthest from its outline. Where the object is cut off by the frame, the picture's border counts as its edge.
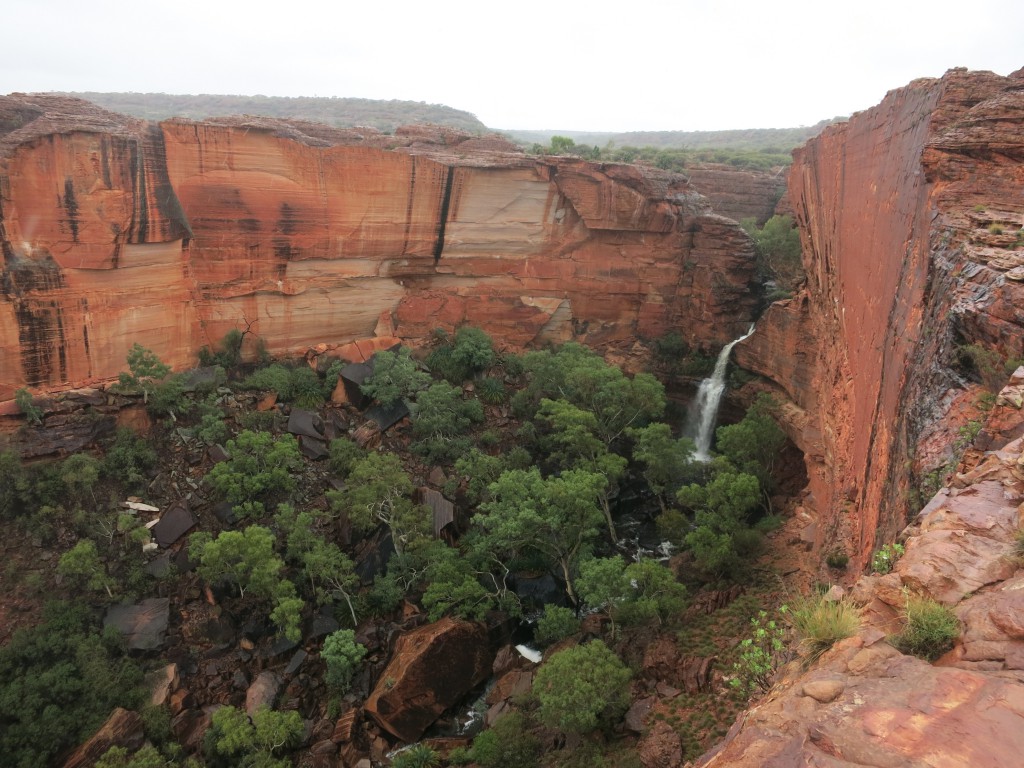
(897, 210)
(116, 231)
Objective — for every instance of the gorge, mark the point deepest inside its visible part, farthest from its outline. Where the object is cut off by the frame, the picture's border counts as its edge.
(116, 231)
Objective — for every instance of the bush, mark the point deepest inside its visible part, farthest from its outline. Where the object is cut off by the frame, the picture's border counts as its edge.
(299, 385)
(417, 756)
(556, 623)
(760, 654)
(886, 558)
(129, 459)
(581, 688)
(344, 454)
(507, 744)
(837, 559)
(931, 629)
(821, 623)
(23, 399)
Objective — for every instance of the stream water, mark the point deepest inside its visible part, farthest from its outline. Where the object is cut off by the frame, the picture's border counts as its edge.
(703, 411)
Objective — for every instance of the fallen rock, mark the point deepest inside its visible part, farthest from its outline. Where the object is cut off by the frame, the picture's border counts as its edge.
(122, 729)
(661, 747)
(262, 692)
(431, 669)
(824, 691)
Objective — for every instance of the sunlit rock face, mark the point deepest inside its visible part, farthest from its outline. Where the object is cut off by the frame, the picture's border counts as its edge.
(909, 215)
(116, 231)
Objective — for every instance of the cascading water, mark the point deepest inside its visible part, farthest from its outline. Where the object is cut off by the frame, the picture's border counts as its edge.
(700, 418)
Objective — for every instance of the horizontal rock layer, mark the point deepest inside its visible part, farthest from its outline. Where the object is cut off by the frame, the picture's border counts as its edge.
(116, 231)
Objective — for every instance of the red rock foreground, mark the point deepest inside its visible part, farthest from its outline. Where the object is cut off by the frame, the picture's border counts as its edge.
(116, 231)
(866, 704)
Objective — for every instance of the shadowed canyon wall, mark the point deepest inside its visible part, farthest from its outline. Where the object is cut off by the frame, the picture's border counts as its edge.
(117, 231)
(910, 214)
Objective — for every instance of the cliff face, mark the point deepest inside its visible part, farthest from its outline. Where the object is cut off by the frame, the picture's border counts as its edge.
(117, 231)
(909, 215)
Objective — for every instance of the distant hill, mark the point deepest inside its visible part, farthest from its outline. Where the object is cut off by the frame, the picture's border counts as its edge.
(339, 112)
(756, 139)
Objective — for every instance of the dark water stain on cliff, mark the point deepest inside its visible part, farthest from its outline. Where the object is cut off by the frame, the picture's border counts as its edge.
(71, 207)
(157, 212)
(27, 283)
(442, 219)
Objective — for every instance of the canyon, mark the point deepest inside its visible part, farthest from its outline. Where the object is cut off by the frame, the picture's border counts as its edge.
(116, 231)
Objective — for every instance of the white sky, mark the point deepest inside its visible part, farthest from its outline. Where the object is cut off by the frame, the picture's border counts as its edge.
(597, 65)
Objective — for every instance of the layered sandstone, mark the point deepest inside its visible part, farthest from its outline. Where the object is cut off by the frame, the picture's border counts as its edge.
(899, 211)
(116, 231)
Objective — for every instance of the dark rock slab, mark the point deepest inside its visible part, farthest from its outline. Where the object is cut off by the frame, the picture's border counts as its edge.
(305, 422)
(386, 418)
(173, 524)
(442, 509)
(296, 661)
(312, 448)
(143, 624)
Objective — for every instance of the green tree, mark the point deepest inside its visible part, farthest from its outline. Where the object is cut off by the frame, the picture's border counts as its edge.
(80, 473)
(245, 557)
(581, 688)
(82, 564)
(129, 459)
(118, 757)
(556, 623)
(59, 681)
(332, 573)
(633, 594)
(667, 462)
(13, 482)
(260, 465)
(722, 539)
(395, 377)
(572, 442)
(256, 742)
(342, 655)
(579, 376)
(754, 444)
(144, 371)
(465, 583)
(440, 416)
(379, 491)
(558, 518)
(778, 249)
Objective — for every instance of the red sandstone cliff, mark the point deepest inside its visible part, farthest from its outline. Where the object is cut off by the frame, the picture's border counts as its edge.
(900, 210)
(117, 231)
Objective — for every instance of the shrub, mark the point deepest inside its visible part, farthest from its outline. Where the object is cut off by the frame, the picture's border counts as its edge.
(144, 371)
(837, 559)
(760, 654)
(491, 390)
(23, 400)
(417, 756)
(299, 385)
(931, 629)
(995, 229)
(129, 459)
(507, 744)
(556, 623)
(395, 377)
(344, 454)
(886, 558)
(820, 623)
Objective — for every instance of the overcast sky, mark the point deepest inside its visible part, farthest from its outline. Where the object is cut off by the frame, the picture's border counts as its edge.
(629, 65)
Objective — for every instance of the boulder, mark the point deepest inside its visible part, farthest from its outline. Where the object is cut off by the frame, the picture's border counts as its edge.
(431, 669)
(122, 729)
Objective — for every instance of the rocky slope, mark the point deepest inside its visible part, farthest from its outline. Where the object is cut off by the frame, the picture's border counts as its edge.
(117, 231)
(866, 704)
(910, 216)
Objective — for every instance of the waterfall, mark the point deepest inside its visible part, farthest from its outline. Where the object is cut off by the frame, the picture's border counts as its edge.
(700, 418)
